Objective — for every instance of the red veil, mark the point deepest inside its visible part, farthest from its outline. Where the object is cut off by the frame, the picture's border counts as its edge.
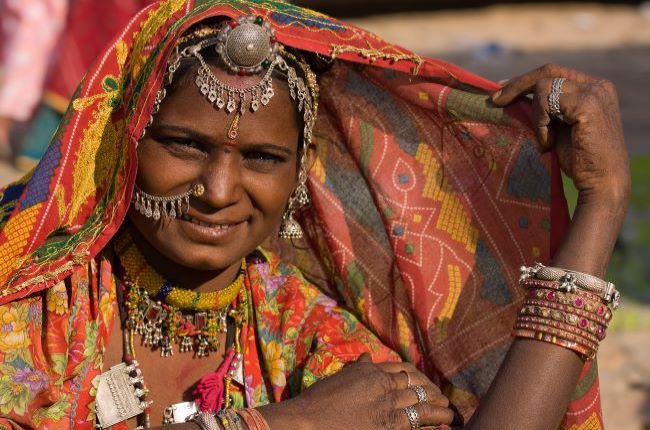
(426, 199)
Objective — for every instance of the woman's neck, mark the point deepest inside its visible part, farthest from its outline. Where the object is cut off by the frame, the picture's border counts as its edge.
(182, 276)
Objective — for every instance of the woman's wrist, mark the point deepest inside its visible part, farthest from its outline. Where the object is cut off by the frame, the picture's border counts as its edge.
(612, 194)
(593, 232)
(286, 414)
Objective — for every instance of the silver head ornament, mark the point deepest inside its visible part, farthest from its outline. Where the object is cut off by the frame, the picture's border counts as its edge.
(247, 46)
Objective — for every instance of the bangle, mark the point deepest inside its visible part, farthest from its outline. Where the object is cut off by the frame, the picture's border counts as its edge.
(253, 419)
(581, 300)
(229, 419)
(206, 421)
(575, 333)
(531, 333)
(564, 310)
(571, 281)
(558, 312)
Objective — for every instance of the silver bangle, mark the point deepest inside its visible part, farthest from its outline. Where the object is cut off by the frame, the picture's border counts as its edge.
(570, 281)
(206, 421)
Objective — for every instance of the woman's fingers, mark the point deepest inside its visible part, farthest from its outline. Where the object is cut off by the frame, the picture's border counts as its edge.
(409, 396)
(405, 374)
(543, 118)
(428, 415)
(526, 84)
(364, 358)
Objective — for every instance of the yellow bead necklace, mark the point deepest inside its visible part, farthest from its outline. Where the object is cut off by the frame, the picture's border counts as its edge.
(159, 289)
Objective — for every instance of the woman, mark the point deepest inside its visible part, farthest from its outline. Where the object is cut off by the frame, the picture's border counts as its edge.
(211, 185)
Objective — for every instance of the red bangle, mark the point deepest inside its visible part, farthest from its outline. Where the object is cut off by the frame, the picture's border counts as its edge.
(253, 419)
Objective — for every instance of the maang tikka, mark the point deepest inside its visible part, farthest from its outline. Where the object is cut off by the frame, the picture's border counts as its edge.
(247, 46)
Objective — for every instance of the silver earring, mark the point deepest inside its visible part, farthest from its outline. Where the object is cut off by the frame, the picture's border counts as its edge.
(290, 228)
(155, 207)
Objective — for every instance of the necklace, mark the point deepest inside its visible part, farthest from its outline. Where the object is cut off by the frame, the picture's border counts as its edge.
(160, 324)
(141, 273)
(163, 320)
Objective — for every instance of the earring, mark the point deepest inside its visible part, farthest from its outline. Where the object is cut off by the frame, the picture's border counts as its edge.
(155, 207)
(290, 228)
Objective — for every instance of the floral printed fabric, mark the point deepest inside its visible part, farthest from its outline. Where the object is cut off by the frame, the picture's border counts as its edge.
(51, 344)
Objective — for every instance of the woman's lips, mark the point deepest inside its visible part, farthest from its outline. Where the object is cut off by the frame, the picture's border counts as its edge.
(203, 230)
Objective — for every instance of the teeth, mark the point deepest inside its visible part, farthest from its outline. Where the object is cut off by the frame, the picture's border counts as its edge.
(205, 224)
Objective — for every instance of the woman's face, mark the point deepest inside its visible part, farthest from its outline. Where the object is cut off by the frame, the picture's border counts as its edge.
(247, 181)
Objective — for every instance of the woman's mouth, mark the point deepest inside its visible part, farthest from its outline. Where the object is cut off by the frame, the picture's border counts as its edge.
(211, 232)
(224, 226)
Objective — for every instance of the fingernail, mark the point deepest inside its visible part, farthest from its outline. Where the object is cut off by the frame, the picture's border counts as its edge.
(502, 82)
(496, 95)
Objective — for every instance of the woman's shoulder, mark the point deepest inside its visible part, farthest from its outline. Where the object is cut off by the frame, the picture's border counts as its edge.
(273, 279)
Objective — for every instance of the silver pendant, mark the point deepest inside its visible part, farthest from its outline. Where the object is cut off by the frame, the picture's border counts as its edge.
(117, 397)
(179, 412)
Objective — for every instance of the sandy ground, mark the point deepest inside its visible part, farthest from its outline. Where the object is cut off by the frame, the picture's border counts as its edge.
(503, 41)
(526, 27)
(624, 366)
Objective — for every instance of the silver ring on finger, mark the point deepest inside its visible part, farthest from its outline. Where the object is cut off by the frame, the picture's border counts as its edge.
(554, 98)
(420, 392)
(413, 417)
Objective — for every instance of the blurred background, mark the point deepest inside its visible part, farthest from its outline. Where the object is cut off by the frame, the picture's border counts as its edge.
(498, 40)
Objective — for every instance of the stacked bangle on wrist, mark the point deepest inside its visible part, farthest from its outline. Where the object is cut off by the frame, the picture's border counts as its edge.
(229, 419)
(571, 281)
(570, 311)
(253, 419)
(206, 421)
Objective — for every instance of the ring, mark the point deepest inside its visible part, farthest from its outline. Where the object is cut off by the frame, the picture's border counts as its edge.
(408, 378)
(420, 392)
(554, 98)
(412, 415)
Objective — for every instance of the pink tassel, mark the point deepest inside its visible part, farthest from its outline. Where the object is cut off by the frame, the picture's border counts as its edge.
(209, 391)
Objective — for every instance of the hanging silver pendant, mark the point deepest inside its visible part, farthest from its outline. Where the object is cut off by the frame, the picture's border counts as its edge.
(179, 412)
(118, 399)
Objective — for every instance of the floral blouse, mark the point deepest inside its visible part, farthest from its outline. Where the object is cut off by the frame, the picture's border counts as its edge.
(51, 344)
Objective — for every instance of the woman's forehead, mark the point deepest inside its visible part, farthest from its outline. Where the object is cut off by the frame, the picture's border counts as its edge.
(188, 108)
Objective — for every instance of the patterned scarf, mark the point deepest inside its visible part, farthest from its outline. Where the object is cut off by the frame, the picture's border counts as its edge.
(426, 199)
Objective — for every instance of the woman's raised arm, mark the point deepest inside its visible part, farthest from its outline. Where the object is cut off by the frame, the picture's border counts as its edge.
(536, 380)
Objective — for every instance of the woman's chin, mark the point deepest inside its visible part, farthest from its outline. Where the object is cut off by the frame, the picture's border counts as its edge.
(204, 258)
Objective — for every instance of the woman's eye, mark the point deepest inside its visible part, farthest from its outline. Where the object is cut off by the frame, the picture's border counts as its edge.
(263, 157)
(182, 144)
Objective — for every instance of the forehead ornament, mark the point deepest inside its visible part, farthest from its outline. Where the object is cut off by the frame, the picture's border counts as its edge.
(247, 45)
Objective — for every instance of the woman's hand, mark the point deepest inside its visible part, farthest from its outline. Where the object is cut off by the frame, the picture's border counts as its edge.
(589, 140)
(362, 396)
(591, 150)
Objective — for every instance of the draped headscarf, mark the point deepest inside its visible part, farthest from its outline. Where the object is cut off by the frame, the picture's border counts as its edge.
(426, 198)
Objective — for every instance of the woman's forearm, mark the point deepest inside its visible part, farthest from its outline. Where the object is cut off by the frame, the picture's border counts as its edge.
(536, 380)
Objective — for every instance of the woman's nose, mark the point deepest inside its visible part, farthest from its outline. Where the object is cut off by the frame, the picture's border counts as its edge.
(222, 180)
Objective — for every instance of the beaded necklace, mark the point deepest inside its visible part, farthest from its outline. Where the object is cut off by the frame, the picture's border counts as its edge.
(163, 291)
